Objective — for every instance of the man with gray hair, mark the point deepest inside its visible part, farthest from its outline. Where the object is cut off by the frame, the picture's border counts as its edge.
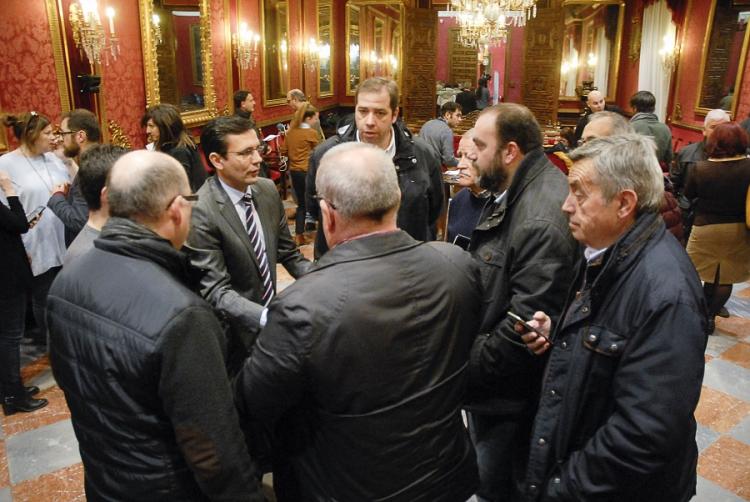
(368, 352)
(605, 124)
(595, 102)
(615, 419)
(140, 356)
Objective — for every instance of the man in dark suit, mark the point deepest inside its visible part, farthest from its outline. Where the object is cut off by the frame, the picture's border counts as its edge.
(239, 232)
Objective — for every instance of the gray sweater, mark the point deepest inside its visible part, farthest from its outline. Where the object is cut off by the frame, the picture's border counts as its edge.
(439, 135)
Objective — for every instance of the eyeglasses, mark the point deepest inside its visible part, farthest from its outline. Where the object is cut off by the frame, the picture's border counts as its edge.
(320, 197)
(64, 133)
(193, 197)
(248, 152)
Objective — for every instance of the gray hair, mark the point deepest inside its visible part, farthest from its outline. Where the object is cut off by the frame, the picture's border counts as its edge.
(297, 94)
(625, 162)
(141, 185)
(360, 180)
(617, 122)
(716, 115)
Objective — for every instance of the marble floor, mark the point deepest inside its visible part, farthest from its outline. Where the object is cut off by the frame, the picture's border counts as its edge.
(39, 459)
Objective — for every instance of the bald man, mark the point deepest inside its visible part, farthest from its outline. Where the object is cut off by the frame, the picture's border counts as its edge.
(369, 352)
(595, 102)
(140, 357)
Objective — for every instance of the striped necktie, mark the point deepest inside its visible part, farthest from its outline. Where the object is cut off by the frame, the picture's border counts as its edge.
(252, 222)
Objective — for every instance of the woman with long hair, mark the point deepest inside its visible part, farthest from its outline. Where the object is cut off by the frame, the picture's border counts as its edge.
(301, 139)
(35, 172)
(167, 132)
(719, 244)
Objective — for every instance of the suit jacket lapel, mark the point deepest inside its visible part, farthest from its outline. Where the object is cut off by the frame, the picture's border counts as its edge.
(264, 212)
(230, 216)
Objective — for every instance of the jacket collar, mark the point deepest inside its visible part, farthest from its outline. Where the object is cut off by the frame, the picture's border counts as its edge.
(403, 138)
(128, 238)
(368, 247)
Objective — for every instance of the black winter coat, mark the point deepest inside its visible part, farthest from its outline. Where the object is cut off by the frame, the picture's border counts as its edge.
(419, 178)
(140, 359)
(615, 420)
(367, 355)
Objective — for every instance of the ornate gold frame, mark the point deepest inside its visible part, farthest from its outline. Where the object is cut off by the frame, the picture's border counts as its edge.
(331, 36)
(263, 64)
(151, 72)
(700, 110)
(347, 6)
(618, 42)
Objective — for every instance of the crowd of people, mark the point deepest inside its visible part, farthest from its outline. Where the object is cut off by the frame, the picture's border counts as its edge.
(551, 350)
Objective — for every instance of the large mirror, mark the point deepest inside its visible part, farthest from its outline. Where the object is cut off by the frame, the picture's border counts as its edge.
(724, 51)
(352, 49)
(373, 41)
(176, 42)
(325, 38)
(591, 47)
(275, 23)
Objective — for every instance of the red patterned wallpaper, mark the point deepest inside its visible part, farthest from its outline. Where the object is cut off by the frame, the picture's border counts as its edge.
(27, 68)
(123, 95)
(219, 55)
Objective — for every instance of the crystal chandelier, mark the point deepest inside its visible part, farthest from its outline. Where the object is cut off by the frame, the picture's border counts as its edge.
(88, 31)
(486, 22)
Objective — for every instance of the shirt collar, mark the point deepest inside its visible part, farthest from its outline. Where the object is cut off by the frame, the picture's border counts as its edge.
(234, 195)
(500, 197)
(391, 150)
(592, 254)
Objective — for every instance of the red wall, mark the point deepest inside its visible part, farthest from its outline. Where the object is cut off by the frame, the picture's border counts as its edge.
(514, 65)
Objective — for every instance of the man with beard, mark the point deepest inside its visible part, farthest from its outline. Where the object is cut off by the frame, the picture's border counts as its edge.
(80, 131)
(523, 244)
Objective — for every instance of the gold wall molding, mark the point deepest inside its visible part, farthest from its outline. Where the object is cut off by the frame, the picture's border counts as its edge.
(117, 135)
(56, 31)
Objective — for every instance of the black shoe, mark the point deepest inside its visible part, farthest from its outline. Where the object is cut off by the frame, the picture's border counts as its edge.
(32, 390)
(723, 312)
(12, 405)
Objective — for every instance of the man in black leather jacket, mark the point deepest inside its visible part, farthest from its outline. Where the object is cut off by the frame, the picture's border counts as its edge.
(526, 253)
(140, 356)
(419, 175)
(362, 366)
(615, 419)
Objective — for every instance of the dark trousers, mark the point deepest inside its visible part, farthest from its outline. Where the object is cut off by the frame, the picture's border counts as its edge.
(40, 285)
(501, 444)
(13, 315)
(298, 184)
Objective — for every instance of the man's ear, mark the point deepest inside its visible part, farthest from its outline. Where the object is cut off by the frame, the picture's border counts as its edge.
(104, 197)
(395, 115)
(628, 203)
(215, 160)
(81, 136)
(512, 152)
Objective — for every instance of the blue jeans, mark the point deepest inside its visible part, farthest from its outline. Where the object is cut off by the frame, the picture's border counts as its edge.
(501, 444)
(13, 315)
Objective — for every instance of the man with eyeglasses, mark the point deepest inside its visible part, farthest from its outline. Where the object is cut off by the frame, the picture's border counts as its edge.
(140, 356)
(79, 130)
(240, 233)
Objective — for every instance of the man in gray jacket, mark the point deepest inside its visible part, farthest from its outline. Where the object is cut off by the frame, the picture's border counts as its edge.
(438, 133)
(646, 123)
(362, 367)
(527, 254)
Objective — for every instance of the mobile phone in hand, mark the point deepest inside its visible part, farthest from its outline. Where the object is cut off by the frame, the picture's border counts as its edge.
(528, 326)
(34, 216)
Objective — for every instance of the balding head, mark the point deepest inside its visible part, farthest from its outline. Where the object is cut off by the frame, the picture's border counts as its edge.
(595, 101)
(141, 185)
(602, 124)
(295, 98)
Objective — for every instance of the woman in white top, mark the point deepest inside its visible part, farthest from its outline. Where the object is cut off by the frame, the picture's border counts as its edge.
(35, 172)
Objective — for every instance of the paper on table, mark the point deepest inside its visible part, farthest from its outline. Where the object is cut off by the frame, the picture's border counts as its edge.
(270, 137)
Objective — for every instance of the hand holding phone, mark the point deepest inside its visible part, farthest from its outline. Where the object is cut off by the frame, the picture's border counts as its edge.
(35, 215)
(536, 341)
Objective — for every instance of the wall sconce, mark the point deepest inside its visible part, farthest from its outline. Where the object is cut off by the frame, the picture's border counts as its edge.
(156, 28)
(88, 32)
(311, 54)
(245, 47)
(592, 60)
(669, 52)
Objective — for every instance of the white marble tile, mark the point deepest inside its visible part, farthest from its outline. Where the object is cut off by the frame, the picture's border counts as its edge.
(41, 451)
(728, 377)
(711, 492)
(5, 495)
(741, 431)
(718, 343)
(705, 436)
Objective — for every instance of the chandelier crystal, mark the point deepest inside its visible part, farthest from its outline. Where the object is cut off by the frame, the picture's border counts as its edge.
(484, 23)
(88, 32)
